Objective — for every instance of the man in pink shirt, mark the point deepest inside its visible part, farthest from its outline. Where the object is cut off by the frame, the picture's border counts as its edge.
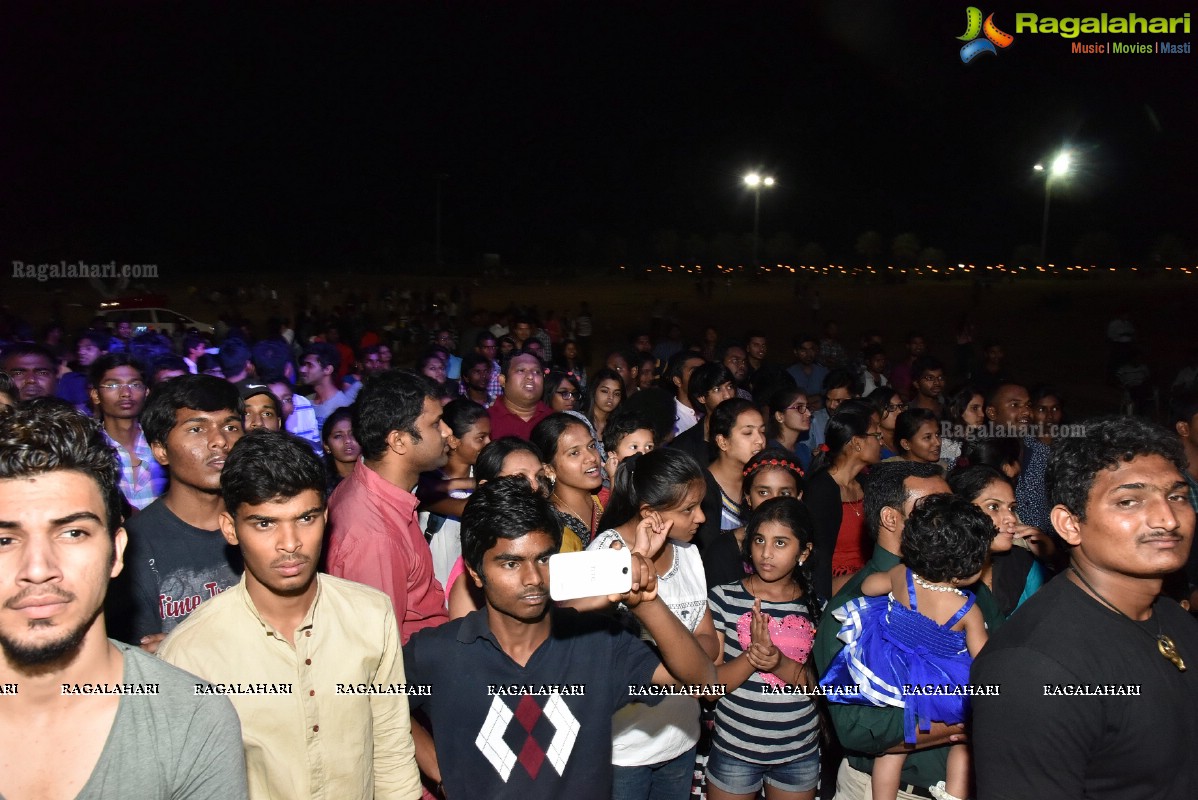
(518, 410)
(375, 537)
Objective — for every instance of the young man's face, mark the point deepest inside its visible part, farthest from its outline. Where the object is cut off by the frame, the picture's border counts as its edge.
(286, 396)
(617, 363)
(279, 540)
(807, 352)
(515, 576)
(372, 364)
(34, 375)
(834, 397)
(120, 394)
(487, 347)
(124, 330)
(735, 361)
(478, 377)
(1012, 406)
(260, 412)
(196, 448)
(521, 331)
(56, 558)
(86, 352)
(713, 397)
(432, 451)
(642, 343)
(757, 347)
(682, 383)
(1139, 521)
(931, 383)
(311, 372)
(524, 380)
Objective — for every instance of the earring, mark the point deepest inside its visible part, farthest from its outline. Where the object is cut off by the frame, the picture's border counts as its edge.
(800, 562)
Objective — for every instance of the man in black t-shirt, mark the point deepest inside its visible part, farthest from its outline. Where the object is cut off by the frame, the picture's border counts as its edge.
(177, 557)
(521, 694)
(1095, 678)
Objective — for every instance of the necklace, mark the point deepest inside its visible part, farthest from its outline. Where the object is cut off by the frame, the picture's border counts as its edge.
(591, 524)
(1163, 643)
(935, 587)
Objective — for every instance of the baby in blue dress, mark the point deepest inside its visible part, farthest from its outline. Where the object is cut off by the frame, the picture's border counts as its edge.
(910, 640)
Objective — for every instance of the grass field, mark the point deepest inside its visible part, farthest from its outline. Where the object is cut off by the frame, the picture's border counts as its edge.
(1052, 330)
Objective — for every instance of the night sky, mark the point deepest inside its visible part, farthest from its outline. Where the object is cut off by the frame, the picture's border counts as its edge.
(253, 135)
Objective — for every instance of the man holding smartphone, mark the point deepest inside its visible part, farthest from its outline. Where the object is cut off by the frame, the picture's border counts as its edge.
(522, 693)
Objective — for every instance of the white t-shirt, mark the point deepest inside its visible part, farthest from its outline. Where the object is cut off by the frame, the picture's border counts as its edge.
(644, 734)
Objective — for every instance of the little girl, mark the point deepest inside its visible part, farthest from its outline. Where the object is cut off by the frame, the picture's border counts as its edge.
(915, 628)
(771, 473)
(766, 725)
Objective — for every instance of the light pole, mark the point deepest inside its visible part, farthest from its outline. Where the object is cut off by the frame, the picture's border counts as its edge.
(756, 182)
(1059, 168)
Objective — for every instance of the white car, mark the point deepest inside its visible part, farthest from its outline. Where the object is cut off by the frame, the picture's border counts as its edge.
(162, 320)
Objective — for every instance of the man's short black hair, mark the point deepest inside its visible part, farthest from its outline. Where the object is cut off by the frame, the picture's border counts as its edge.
(150, 345)
(97, 337)
(507, 364)
(328, 355)
(267, 465)
(95, 373)
(706, 377)
(472, 360)
(884, 487)
(389, 401)
(505, 508)
(840, 378)
(925, 364)
(167, 362)
(947, 537)
(1183, 405)
(19, 349)
(200, 392)
(270, 358)
(1108, 441)
(37, 438)
(233, 358)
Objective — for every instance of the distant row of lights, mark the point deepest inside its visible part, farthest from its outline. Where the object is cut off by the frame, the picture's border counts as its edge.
(960, 268)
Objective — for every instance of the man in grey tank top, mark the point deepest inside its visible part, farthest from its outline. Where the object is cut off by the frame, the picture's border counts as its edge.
(81, 715)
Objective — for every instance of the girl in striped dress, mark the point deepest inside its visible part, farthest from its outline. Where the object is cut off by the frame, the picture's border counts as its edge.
(766, 727)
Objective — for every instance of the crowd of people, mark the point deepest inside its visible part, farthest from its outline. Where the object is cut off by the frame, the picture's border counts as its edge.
(288, 567)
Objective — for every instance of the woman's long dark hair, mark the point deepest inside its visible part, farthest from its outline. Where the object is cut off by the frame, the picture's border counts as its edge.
(593, 382)
(851, 419)
(793, 515)
(658, 479)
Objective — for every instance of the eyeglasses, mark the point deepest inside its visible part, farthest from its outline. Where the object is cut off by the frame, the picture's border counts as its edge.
(876, 434)
(893, 407)
(933, 378)
(134, 386)
(566, 394)
(802, 408)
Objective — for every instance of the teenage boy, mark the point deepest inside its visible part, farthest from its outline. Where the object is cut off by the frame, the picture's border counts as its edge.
(318, 370)
(521, 692)
(325, 638)
(85, 716)
(118, 392)
(177, 557)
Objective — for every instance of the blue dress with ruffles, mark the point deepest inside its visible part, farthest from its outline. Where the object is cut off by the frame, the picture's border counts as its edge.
(895, 656)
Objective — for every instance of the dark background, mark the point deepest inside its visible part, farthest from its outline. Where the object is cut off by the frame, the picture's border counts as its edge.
(227, 137)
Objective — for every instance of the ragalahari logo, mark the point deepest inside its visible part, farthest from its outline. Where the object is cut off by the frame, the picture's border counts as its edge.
(974, 26)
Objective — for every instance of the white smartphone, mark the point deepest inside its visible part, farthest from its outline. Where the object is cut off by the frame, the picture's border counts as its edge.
(590, 573)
